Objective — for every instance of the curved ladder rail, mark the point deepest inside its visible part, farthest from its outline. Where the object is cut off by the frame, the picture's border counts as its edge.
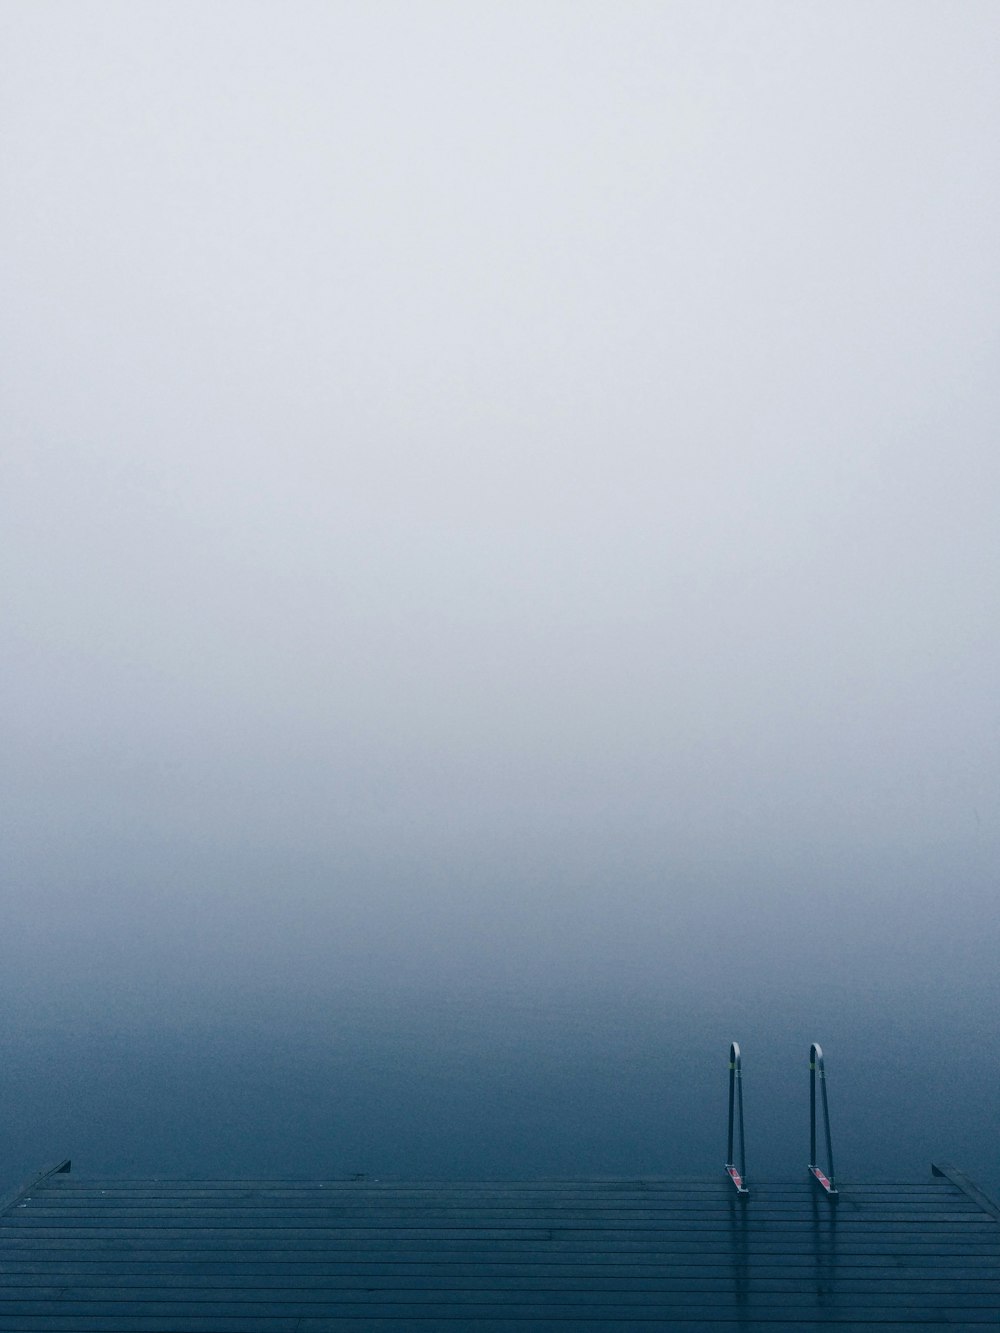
(737, 1175)
(818, 1070)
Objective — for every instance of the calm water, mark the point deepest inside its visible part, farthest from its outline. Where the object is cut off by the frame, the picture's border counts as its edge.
(397, 1020)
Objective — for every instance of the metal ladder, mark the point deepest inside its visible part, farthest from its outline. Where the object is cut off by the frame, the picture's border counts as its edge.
(817, 1070)
(737, 1176)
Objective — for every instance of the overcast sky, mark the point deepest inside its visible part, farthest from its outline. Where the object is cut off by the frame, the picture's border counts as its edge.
(549, 445)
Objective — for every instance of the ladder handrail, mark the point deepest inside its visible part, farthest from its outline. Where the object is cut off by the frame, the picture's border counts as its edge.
(817, 1068)
(737, 1175)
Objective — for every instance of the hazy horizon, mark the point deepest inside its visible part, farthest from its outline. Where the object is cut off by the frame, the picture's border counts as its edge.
(500, 545)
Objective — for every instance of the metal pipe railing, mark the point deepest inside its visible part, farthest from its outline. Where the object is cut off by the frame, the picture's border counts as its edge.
(818, 1070)
(737, 1175)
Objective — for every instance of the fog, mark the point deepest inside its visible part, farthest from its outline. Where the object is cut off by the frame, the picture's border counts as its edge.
(500, 584)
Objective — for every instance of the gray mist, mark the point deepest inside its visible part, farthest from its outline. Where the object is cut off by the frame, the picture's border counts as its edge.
(498, 508)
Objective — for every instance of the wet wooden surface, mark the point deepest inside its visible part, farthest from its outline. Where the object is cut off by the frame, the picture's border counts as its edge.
(165, 1256)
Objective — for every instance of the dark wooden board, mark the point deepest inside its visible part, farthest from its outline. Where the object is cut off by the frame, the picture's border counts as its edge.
(969, 1272)
(563, 1295)
(615, 1213)
(486, 1278)
(801, 1314)
(240, 1323)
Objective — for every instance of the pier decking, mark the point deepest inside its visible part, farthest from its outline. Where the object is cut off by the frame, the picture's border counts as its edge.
(295, 1256)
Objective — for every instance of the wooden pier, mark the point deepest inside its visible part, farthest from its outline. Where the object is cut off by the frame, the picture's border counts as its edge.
(310, 1256)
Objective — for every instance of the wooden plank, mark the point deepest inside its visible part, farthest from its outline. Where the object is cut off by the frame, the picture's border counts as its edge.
(730, 1207)
(242, 1324)
(952, 1295)
(420, 1189)
(27, 1214)
(430, 1259)
(591, 1187)
(385, 1204)
(519, 1305)
(741, 1214)
(542, 1313)
(783, 1277)
(19, 1240)
(389, 1276)
(800, 1185)
(400, 1198)
(584, 1228)
(85, 1324)
(954, 1229)
(375, 1188)
(723, 1207)
(75, 1323)
(315, 1242)
(711, 1195)
(941, 1197)
(39, 1206)
(17, 1244)
(677, 1324)
(968, 1271)
(14, 1237)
